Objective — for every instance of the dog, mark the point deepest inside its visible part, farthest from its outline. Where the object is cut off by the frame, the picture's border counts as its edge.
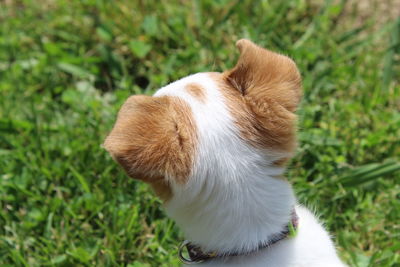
(213, 146)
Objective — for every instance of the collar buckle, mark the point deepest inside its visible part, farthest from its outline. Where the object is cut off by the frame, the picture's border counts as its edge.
(190, 260)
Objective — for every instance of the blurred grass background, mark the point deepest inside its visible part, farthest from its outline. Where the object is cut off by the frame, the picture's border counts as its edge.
(66, 67)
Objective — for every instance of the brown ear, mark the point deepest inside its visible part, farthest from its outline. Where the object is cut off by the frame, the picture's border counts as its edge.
(270, 88)
(153, 139)
(264, 76)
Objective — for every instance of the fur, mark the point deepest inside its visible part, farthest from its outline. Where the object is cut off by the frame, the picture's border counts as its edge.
(214, 147)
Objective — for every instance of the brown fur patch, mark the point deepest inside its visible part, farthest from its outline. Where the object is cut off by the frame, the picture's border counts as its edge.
(162, 189)
(197, 91)
(262, 92)
(281, 162)
(154, 140)
(261, 75)
(268, 130)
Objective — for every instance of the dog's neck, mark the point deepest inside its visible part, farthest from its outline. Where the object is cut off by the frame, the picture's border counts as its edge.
(237, 216)
(233, 200)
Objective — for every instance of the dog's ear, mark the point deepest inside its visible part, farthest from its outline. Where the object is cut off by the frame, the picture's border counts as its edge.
(153, 139)
(263, 76)
(270, 85)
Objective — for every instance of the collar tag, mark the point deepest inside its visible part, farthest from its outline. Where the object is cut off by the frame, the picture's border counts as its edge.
(292, 230)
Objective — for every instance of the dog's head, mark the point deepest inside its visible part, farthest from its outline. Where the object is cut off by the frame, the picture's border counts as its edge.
(208, 125)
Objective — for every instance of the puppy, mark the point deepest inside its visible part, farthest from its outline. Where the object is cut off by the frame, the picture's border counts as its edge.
(213, 146)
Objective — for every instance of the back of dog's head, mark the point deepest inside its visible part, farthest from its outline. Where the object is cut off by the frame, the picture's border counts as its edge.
(207, 123)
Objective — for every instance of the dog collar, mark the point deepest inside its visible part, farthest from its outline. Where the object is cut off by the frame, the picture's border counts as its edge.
(197, 255)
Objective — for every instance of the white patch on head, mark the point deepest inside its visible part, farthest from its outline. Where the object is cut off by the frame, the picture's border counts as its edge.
(178, 88)
(231, 184)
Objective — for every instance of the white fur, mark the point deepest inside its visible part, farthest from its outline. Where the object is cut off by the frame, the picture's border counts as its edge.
(233, 200)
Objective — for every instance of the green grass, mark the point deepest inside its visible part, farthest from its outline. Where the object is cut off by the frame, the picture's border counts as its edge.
(66, 67)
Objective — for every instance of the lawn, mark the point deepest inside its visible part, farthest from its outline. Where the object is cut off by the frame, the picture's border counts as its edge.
(67, 66)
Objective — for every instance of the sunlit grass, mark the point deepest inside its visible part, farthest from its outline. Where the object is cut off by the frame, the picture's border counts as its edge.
(66, 67)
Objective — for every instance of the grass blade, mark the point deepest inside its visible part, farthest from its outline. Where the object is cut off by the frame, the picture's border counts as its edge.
(80, 179)
(367, 173)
